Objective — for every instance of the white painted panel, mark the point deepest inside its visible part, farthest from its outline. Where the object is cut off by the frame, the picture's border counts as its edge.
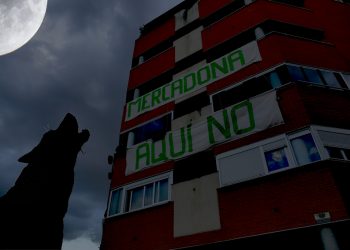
(188, 44)
(196, 207)
(186, 16)
(240, 167)
(335, 139)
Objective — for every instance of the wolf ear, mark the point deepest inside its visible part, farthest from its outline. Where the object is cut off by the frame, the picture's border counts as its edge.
(29, 157)
(69, 124)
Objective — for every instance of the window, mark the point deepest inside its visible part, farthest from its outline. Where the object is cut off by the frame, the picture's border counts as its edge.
(274, 79)
(296, 73)
(277, 77)
(338, 153)
(305, 149)
(312, 76)
(330, 79)
(115, 202)
(154, 130)
(147, 195)
(144, 194)
(347, 79)
(315, 76)
(336, 143)
(266, 157)
(276, 159)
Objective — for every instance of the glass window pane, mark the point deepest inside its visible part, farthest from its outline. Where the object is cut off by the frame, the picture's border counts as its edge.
(163, 190)
(334, 152)
(276, 159)
(295, 73)
(347, 153)
(149, 195)
(305, 149)
(136, 198)
(274, 79)
(127, 200)
(313, 76)
(347, 79)
(330, 79)
(116, 198)
(156, 192)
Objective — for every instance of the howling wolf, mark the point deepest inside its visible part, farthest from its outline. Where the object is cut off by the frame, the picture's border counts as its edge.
(32, 211)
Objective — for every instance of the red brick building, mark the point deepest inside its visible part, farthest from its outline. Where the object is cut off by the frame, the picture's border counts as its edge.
(236, 132)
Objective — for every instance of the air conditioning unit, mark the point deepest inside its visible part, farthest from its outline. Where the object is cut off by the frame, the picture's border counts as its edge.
(323, 217)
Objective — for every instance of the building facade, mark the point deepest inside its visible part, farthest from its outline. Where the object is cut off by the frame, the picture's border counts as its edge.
(236, 132)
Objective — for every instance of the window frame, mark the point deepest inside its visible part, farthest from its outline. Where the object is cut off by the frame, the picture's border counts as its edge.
(280, 141)
(142, 183)
(323, 150)
(274, 69)
(287, 149)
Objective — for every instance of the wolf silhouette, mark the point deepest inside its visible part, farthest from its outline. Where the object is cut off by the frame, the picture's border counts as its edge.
(32, 211)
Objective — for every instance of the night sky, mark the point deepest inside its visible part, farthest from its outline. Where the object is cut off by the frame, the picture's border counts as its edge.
(78, 62)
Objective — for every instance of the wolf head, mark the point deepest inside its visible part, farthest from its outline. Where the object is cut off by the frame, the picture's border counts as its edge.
(58, 146)
(32, 211)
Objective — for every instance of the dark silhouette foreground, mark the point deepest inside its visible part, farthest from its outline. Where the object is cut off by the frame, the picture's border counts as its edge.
(31, 213)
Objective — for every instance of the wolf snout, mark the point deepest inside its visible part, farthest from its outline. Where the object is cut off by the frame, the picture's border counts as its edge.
(84, 136)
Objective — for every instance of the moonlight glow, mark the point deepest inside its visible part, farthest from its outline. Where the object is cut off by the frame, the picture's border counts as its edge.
(19, 21)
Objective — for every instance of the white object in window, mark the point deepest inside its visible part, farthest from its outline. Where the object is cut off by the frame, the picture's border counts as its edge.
(305, 149)
(276, 159)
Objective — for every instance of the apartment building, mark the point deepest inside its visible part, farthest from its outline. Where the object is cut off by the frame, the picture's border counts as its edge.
(236, 129)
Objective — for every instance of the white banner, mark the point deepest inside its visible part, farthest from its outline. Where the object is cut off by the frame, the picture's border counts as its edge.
(239, 120)
(190, 82)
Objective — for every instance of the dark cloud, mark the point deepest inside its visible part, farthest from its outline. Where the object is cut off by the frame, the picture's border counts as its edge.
(78, 62)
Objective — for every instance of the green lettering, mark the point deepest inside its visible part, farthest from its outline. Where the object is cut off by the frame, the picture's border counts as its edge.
(176, 86)
(223, 68)
(207, 75)
(224, 130)
(247, 104)
(236, 56)
(173, 154)
(155, 97)
(162, 155)
(164, 97)
(189, 82)
(142, 152)
(131, 104)
(145, 104)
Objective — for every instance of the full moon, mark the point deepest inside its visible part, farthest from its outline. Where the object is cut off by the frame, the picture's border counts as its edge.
(19, 21)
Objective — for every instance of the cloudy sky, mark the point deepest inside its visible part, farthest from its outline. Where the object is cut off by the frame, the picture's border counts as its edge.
(78, 62)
